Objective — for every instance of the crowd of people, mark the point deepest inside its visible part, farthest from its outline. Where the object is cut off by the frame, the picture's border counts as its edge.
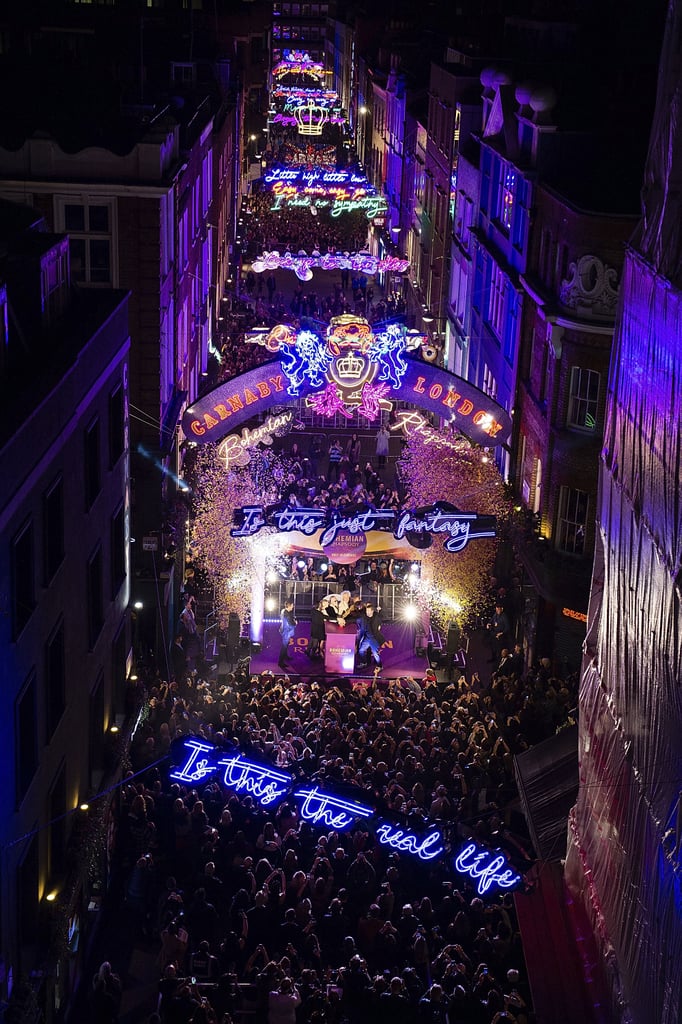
(287, 229)
(255, 909)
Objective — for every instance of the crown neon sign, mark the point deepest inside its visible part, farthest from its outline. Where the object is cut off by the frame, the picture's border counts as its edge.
(488, 869)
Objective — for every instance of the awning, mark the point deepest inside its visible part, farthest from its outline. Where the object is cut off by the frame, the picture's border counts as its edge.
(170, 421)
(547, 779)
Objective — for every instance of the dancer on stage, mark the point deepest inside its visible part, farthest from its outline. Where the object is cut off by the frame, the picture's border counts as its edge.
(369, 634)
(287, 629)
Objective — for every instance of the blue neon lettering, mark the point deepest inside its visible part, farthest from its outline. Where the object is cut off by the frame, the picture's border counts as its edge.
(331, 811)
(408, 842)
(195, 769)
(252, 521)
(485, 867)
(264, 784)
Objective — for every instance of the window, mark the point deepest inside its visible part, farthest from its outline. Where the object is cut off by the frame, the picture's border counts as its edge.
(583, 398)
(54, 281)
(507, 193)
(496, 303)
(26, 733)
(572, 521)
(118, 550)
(96, 727)
(95, 609)
(89, 226)
(28, 910)
(23, 579)
(116, 425)
(92, 464)
(53, 529)
(55, 680)
(489, 382)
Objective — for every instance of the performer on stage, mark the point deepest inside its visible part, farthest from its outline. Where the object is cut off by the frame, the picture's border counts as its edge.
(287, 628)
(369, 635)
(317, 633)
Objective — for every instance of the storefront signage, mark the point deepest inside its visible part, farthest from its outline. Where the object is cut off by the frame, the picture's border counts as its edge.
(353, 368)
(570, 613)
(235, 449)
(439, 518)
(488, 869)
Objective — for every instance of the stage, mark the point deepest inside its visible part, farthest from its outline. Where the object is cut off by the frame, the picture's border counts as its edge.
(398, 656)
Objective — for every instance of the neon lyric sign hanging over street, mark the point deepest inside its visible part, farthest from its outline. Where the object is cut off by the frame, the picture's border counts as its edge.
(489, 869)
(302, 177)
(193, 762)
(302, 264)
(353, 368)
(460, 527)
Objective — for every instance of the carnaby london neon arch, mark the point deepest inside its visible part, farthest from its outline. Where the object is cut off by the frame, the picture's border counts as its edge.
(351, 369)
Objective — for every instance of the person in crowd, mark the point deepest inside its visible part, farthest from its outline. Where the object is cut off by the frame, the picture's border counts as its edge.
(499, 632)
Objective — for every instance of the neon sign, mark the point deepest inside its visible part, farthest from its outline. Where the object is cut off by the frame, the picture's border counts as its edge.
(309, 176)
(457, 524)
(269, 785)
(407, 842)
(264, 784)
(372, 205)
(302, 264)
(329, 811)
(487, 868)
(235, 449)
(439, 518)
(353, 367)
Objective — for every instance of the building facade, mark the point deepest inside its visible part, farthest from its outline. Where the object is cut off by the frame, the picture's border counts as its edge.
(65, 574)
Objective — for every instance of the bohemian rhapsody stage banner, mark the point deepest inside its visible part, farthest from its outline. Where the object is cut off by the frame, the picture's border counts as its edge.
(354, 368)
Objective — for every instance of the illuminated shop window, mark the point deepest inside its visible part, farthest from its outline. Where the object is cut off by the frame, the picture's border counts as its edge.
(583, 398)
(572, 519)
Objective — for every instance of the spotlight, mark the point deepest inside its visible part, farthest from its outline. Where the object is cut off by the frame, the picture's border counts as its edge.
(51, 896)
(138, 605)
(323, 566)
(485, 459)
(415, 567)
(270, 604)
(300, 564)
(410, 612)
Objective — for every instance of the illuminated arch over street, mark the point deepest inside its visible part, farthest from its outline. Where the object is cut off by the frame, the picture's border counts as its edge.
(353, 369)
